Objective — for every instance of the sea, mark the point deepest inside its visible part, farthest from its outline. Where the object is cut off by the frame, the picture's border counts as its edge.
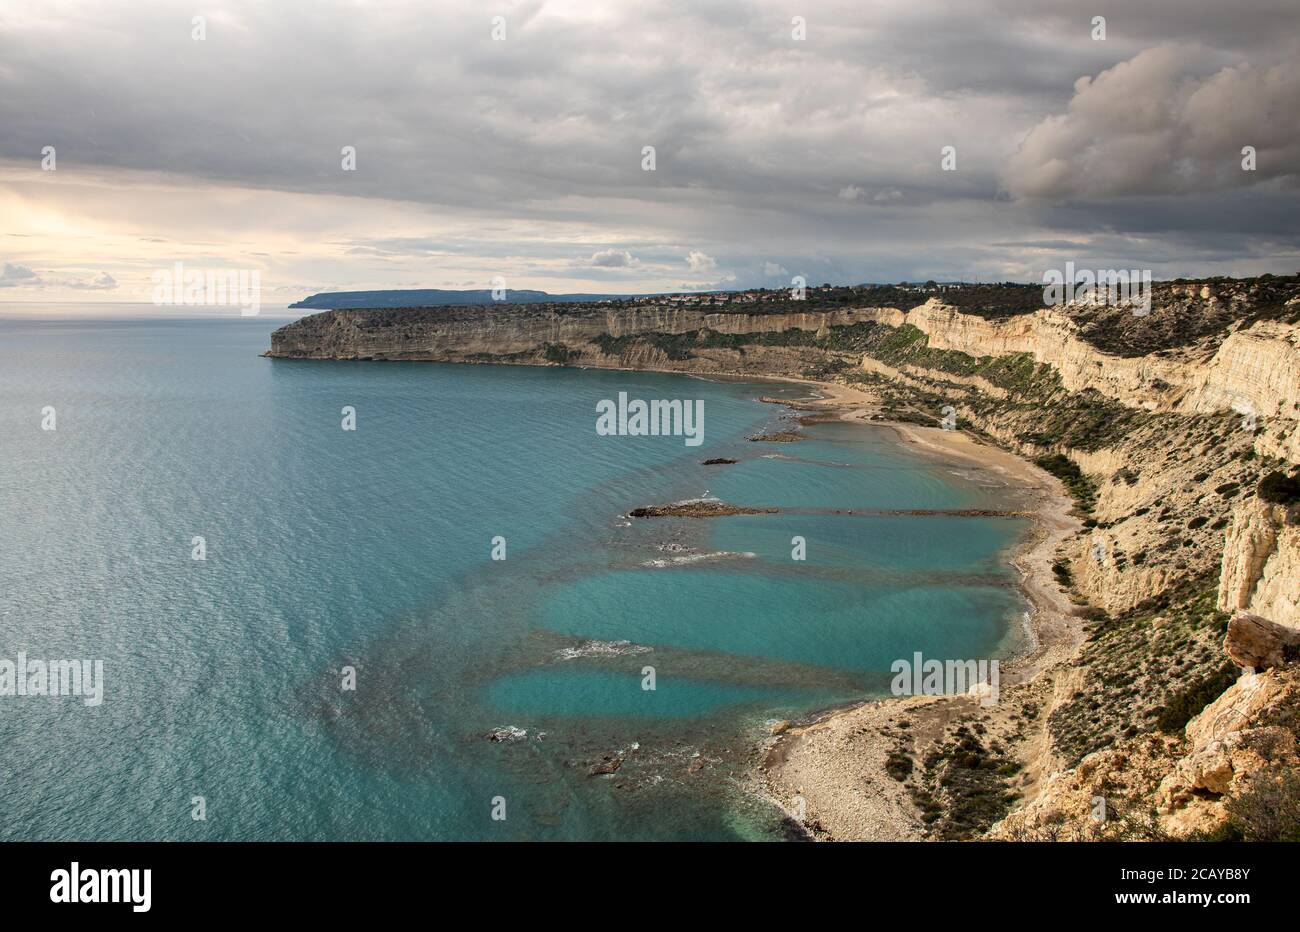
(440, 624)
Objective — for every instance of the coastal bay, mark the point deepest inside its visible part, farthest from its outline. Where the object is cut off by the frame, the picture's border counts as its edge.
(310, 568)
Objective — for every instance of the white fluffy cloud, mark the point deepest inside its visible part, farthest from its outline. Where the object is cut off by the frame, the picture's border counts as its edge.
(101, 282)
(612, 258)
(700, 262)
(15, 275)
(19, 276)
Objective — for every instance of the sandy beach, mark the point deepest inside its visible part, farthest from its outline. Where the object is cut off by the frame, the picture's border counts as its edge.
(830, 772)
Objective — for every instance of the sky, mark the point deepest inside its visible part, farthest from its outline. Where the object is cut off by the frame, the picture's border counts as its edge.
(789, 138)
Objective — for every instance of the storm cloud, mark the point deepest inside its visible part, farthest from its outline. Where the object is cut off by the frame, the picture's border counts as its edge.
(524, 156)
(1147, 126)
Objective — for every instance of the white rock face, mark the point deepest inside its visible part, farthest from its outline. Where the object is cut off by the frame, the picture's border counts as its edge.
(1257, 368)
(1051, 337)
(1254, 371)
(1261, 563)
(1227, 747)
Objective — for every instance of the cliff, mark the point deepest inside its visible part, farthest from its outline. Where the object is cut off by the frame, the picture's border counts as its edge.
(1257, 369)
(522, 333)
(1251, 366)
(1261, 562)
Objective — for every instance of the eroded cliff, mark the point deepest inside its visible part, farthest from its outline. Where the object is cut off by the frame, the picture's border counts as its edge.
(1157, 446)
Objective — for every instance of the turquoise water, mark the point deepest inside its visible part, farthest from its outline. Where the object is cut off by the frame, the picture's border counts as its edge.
(371, 548)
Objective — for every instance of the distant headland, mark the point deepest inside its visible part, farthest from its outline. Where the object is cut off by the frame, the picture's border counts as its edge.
(438, 297)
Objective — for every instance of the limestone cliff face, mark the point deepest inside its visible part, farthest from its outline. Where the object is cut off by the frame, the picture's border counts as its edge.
(457, 334)
(1051, 337)
(1261, 562)
(1162, 491)
(1256, 370)
(1257, 367)
(1230, 752)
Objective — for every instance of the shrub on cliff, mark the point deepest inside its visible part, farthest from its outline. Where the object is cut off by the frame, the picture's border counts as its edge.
(899, 765)
(559, 353)
(1267, 810)
(1068, 471)
(1180, 709)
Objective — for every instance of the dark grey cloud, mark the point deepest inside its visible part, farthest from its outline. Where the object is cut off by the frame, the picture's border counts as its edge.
(1147, 126)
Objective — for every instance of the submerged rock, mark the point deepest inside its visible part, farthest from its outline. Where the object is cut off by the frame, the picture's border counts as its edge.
(507, 733)
(697, 509)
(606, 765)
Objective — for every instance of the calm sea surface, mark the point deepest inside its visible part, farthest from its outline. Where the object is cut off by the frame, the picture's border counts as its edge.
(371, 549)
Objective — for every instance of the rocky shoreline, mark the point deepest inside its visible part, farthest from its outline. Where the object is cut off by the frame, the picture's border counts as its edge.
(943, 767)
(830, 772)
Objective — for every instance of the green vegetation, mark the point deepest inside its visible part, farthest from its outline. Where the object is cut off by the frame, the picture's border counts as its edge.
(827, 370)
(963, 789)
(1004, 299)
(1016, 373)
(854, 339)
(1182, 319)
(1080, 420)
(898, 344)
(1076, 483)
(559, 353)
(1267, 809)
(1137, 668)
(1083, 421)
(899, 765)
(1183, 706)
(679, 346)
(992, 299)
